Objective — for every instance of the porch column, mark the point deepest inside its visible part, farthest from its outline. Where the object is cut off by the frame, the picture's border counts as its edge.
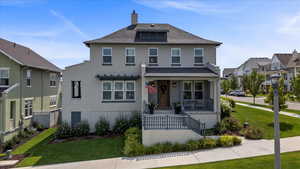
(218, 93)
(144, 90)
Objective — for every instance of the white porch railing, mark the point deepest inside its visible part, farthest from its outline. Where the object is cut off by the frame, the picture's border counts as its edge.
(164, 121)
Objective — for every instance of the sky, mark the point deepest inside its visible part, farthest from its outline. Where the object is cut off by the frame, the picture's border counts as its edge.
(56, 29)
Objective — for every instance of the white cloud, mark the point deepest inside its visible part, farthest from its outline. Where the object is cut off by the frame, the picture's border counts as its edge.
(196, 6)
(291, 25)
(69, 24)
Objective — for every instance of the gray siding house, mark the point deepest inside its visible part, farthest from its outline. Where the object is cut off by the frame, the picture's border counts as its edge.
(141, 64)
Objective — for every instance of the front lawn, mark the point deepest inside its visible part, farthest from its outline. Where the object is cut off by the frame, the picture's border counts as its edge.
(41, 152)
(290, 126)
(289, 161)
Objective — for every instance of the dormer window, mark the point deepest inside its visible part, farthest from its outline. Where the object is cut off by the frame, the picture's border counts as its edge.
(151, 36)
(107, 56)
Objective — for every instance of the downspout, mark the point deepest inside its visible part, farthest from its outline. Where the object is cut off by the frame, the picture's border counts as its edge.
(21, 121)
(42, 93)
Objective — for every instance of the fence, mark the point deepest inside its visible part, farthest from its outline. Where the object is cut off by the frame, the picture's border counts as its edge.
(164, 122)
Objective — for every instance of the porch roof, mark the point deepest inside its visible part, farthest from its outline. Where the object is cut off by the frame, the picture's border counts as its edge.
(117, 77)
(180, 71)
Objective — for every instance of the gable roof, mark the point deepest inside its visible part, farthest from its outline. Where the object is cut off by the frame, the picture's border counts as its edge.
(228, 71)
(25, 56)
(284, 58)
(258, 62)
(295, 60)
(174, 35)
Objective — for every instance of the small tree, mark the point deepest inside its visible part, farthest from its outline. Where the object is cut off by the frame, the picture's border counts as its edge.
(254, 82)
(233, 83)
(296, 87)
(282, 99)
(245, 82)
(225, 85)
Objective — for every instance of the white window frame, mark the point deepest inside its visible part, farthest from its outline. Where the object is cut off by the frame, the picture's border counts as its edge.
(198, 56)
(201, 82)
(52, 80)
(29, 108)
(183, 89)
(7, 69)
(111, 90)
(115, 90)
(175, 64)
(51, 101)
(28, 77)
(102, 52)
(149, 56)
(129, 55)
(126, 90)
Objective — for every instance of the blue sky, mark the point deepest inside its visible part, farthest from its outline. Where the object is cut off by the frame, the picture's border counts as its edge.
(248, 28)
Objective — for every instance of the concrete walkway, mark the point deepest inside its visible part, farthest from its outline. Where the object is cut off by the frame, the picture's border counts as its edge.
(267, 109)
(249, 148)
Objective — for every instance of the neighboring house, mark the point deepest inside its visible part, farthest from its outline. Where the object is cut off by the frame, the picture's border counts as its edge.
(141, 64)
(28, 84)
(228, 72)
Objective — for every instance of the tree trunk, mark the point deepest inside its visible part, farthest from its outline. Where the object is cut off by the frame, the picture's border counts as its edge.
(254, 100)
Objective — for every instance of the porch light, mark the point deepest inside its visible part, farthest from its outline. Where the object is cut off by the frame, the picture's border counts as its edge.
(275, 79)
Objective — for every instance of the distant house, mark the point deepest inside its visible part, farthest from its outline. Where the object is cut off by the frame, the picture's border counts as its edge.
(147, 63)
(228, 72)
(28, 84)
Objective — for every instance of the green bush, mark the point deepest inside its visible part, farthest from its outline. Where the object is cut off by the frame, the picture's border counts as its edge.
(102, 127)
(133, 146)
(8, 145)
(135, 120)
(16, 140)
(225, 109)
(192, 145)
(253, 133)
(63, 131)
(230, 101)
(121, 125)
(236, 140)
(207, 143)
(81, 129)
(229, 125)
(228, 141)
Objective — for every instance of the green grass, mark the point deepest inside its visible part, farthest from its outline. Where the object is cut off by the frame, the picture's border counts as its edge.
(289, 126)
(270, 107)
(289, 161)
(41, 152)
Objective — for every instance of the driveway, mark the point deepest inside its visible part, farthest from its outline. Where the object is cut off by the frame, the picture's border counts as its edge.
(260, 100)
(249, 148)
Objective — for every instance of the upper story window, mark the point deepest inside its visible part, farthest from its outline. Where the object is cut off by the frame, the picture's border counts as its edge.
(28, 107)
(4, 77)
(198, 55)
(130, 56)
(176, 53)
(76, 89)
(153, 55)
(53, 78)
(107, 55)
(28, 78)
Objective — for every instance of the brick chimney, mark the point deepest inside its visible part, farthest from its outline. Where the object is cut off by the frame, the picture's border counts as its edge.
(134, 18)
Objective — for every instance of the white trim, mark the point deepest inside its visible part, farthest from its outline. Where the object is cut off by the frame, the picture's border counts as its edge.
(111, 90)
(152, 56)
(134, 90)
(102, 53)
(176, 56)
(30, 115)
(12, 58)
(53, 96)
(8, 69)
(130, 56)
(10, 88)
(119, 90)
(30, 78)
(199, 56)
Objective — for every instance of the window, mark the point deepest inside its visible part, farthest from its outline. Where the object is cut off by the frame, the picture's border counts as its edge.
(153, 55)
(198, 56)
(28, 78)
(130, 55)
(12, 110)
(118, 90)
(175, 52)
(76, 89)
(53, 78)
(187, 90)
(143, 36)
(52, 101)
(198, 90)
(107, 55)
(4, 77)
(28, 107)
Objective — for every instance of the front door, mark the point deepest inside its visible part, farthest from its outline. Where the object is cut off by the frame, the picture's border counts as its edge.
(164, 94)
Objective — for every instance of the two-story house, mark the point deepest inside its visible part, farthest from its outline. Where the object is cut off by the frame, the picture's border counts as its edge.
(146, 63)
(28, 84)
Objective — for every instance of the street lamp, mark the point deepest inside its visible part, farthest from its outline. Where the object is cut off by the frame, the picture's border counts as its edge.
(275, 84)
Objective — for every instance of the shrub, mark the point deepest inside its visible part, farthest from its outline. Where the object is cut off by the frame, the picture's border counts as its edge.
(225, 109)
(206, 143)
(8, 145)
(102, 127)
(135, 120)
(193, 145)
(253, 133)
(132, 145)
(63, 131)
(236, 140)
(230, 101)
(81, 129)
(229, 125)
(228, 141)
(121, 125)
(16, 140)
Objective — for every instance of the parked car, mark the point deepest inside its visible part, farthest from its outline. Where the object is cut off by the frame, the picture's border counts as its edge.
(237, 93)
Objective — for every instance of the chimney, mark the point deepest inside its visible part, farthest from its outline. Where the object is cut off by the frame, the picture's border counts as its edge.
(134, 18)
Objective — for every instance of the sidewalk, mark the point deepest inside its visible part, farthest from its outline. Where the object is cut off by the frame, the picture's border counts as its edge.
(266, 109)
(249, 148)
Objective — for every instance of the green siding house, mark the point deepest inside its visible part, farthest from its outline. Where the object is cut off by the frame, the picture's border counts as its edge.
(29, 84)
